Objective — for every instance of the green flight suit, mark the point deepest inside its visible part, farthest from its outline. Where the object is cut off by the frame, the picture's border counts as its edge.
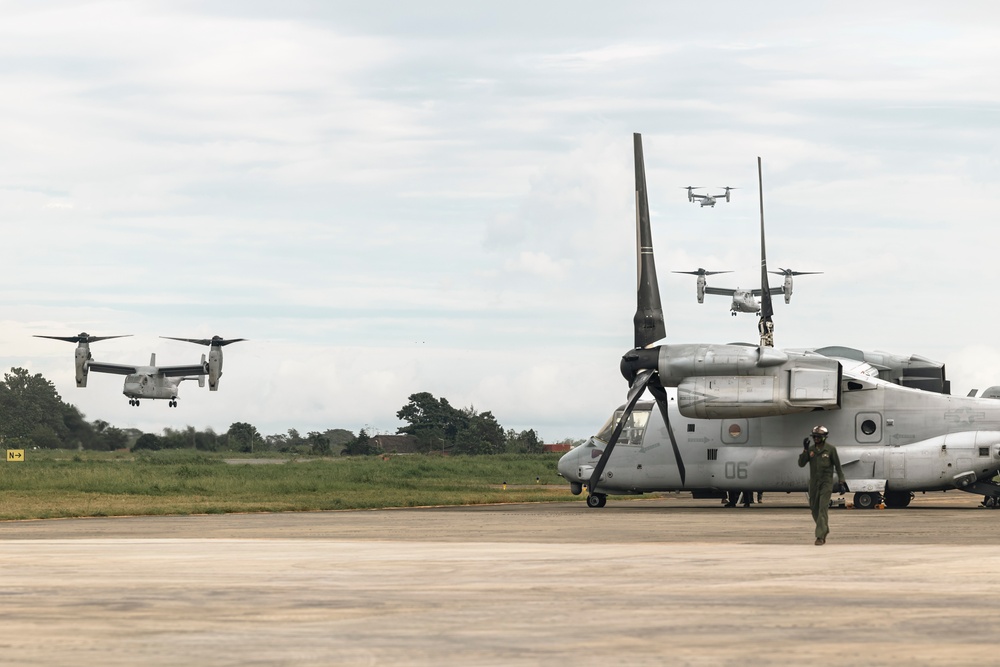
(823, 460)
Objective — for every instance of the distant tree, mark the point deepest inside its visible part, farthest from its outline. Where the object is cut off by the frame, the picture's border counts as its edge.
(438, 426)
(525, 442)
(44, 437)
(242, 436)
(434, 423)
(114, 438)
(479, 434)
(32, 410)
(319, 444)
(206, 441)
(363, 445)
(338, 436)
(147, 441)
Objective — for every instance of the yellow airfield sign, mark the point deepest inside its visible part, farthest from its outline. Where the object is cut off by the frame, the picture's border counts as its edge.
(15, 454)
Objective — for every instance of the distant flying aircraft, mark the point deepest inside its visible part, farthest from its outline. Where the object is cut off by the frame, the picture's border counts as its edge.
(152, 381)
(706, 200)
(745, 300)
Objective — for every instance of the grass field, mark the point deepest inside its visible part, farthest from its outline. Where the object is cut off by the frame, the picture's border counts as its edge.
(56, 483)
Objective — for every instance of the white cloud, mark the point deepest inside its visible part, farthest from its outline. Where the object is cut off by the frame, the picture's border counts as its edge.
(441, 199)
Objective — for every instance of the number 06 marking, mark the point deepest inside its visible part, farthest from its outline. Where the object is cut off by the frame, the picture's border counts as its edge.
(736, 470)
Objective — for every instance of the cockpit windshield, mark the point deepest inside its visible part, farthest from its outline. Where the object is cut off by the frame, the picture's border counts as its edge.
(632, 431)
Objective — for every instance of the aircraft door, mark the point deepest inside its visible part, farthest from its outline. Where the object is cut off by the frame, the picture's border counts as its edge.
(868, 427)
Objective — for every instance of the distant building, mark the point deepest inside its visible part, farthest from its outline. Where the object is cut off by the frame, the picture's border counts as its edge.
(396, 444)
(557, 448)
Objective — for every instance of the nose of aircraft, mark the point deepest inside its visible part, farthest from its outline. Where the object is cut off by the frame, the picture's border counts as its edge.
(567, 464)
(576, 464)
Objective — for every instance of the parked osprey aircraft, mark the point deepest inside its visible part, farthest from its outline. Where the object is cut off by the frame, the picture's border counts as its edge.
(745, 300)
(706, 200)
(728, 417)
(150, 381)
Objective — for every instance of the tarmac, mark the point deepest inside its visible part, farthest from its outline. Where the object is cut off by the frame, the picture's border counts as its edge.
(670, 580)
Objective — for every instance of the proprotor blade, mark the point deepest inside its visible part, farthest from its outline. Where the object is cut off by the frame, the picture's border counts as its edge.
(766, 325)
(766, 309)
(648, 319)
(214, 341)
(703, 272)
(638, 387)
(83, 337)
(789, 272)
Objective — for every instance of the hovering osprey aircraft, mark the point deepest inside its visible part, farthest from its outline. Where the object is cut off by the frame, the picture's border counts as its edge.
(152, 381)
(731, 417)
(706, 200)
(745, 300)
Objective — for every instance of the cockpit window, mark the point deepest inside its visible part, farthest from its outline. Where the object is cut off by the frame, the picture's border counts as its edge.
(632, 431)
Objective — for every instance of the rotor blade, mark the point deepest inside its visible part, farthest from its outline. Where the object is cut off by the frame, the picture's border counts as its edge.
(789, 272)
(660, 394)
(641, 380)
(702, 272)
(648, 320)
(766, 308)
(214, 341)
(82, 338)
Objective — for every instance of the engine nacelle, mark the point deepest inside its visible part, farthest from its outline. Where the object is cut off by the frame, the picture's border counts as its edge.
(82, 369)
(724, 381)
(214, 368)
(787, 288)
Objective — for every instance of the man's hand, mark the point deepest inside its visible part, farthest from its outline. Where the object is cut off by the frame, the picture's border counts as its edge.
(805, 444)
(840, 488)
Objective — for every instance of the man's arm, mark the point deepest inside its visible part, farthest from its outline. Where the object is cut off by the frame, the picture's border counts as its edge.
(804, 456)
(836, 462)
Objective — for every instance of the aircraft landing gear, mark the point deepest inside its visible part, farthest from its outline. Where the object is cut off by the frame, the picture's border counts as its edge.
(133, 402)
(597, 500)
(172, 403)
(733, 313)
(898, 498)
(867, 501)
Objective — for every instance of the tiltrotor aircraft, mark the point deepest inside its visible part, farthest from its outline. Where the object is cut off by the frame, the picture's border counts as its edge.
(745, 300)
(706, 200)
(152, 381)
(730, 417)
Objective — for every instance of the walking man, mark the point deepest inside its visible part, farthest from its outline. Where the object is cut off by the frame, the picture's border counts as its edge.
(823, 462)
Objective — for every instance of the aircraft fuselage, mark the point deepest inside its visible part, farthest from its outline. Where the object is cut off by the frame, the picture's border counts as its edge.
(744, 302)
(890, 438)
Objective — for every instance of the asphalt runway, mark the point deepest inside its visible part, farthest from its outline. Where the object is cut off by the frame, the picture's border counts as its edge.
(642, 582)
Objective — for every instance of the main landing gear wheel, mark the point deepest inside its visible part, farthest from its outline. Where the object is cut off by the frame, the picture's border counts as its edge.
(597, 500)
(898, 498)
(172, 404)
(867, 501)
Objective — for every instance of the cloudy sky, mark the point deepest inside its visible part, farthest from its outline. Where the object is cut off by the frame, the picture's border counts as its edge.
(388, 198)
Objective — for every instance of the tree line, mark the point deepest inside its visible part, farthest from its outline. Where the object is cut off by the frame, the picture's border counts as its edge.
(33, 414)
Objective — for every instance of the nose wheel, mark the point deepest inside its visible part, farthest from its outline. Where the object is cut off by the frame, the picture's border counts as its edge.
(597, 500)
(172, 404)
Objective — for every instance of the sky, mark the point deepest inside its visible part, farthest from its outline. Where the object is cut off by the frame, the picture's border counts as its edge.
(388, 198)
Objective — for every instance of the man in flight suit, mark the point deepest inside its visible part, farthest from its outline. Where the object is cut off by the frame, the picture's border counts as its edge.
(823, 461)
